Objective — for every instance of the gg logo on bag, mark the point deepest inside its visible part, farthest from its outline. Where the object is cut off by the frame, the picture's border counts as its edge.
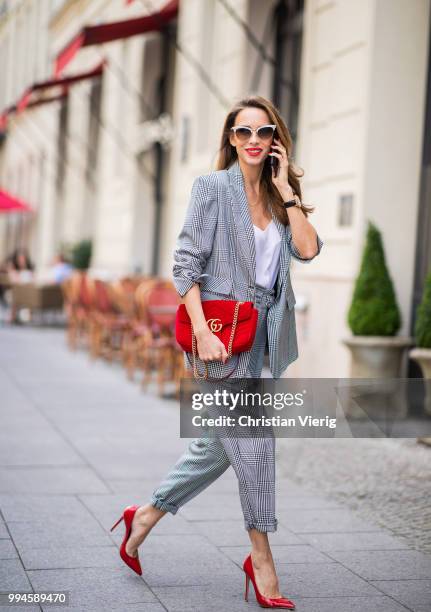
(214, 327)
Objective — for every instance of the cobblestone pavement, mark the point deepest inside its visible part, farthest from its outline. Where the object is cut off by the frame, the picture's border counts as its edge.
(387, 481)
(78, 443)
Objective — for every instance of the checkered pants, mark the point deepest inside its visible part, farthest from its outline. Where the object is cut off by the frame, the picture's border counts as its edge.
(252, 458)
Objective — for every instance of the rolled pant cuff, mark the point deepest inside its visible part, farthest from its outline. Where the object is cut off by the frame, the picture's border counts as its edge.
(166, 506)
(264, 527)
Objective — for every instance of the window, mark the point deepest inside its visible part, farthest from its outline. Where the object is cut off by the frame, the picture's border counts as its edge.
(288, 17)
(94, 119)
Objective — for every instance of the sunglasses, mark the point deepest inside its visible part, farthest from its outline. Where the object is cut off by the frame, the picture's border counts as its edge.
(243, 132)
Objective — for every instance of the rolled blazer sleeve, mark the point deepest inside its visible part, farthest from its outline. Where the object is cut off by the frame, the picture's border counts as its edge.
(295, 253)
(195, 241)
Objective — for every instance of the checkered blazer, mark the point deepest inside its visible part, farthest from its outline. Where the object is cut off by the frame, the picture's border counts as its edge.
(216, 248)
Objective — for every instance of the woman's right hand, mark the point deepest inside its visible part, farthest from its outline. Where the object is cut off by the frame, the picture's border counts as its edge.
(210, 347)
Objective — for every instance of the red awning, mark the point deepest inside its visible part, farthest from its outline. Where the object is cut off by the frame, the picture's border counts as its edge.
(4, 117)
(96, 35)
(3, 121)
(30, 99)
(9, 204)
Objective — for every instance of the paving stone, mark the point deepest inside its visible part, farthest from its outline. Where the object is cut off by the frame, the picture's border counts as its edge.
(281, 554)
(222, 596)
(35, 447)
(78, 395)
(287, 486)
(3, 531)
(416, 594)
(354, 541)
(208, 597)
(321, 580)
(348, 604)
(129, 486)
(25, 507)
(182, 560)
(311, 502)
(7, 550)
(233, 533)
(50, 480)
(322, 521)
(41, 533)
(131, 607)
(12, 395)
(16, 608)
(220, 592)
(123, 463)
(73, 556)
(94, 587)
(13, 576)
(385, 564)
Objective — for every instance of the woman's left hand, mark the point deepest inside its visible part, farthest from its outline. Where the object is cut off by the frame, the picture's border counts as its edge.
(281, 181)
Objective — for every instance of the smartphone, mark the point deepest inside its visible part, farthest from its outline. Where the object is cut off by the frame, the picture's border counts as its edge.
(274, 164)
(274, 160)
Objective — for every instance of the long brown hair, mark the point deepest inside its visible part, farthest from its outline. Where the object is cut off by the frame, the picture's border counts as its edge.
(228, 155)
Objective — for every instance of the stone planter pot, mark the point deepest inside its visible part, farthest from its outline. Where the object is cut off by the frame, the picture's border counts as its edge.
(422, 356)
(378, 357)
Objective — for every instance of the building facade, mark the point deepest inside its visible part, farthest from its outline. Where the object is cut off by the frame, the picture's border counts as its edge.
(115, 159)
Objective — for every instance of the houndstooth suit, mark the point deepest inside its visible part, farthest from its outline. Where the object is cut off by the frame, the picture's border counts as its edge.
(216, 248)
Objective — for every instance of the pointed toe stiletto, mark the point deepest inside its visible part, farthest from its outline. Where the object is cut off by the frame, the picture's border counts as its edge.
(264, 602)
(132, 562)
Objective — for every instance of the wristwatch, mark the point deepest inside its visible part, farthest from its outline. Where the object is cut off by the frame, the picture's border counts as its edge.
(295, 202)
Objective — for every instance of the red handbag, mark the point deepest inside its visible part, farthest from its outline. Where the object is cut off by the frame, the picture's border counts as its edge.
(234, 322)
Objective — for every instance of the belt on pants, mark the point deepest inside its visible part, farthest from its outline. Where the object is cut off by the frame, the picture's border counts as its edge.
(267, 296)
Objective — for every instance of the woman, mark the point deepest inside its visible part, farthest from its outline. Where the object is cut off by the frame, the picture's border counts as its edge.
(20, 270)
(20, 267)
(236, 243)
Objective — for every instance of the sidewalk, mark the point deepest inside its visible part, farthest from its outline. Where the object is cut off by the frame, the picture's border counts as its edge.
(78, 443)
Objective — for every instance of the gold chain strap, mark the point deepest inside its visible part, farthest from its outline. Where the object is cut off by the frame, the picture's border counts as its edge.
(229, 350)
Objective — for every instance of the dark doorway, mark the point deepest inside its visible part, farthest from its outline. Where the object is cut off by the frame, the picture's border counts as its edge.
(288, 19)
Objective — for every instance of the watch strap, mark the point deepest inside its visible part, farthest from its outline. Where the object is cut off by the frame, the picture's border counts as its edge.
(290, 203)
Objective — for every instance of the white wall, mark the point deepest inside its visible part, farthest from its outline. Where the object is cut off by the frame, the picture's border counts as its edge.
(24, 60)
(361, 114)
(394, 135)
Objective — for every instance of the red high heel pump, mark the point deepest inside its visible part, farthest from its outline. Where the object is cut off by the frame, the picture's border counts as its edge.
(132, 562)
(264, 602)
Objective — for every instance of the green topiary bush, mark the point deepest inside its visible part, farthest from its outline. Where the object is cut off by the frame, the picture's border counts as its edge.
(374, 310)
(81, 255)
(423, 320)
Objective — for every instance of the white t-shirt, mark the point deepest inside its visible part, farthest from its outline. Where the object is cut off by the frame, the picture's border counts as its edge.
(268, 244)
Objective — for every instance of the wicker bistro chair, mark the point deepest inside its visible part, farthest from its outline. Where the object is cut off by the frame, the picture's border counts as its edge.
(154, 344)
(162, 304)
(123, 296)
(78, 292)
(108, 323)
(133, 338)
